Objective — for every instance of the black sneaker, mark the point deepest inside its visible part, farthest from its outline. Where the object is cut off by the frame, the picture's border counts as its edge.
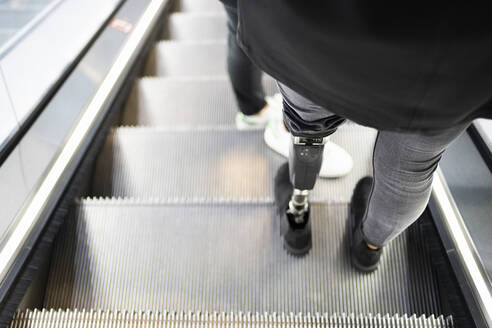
(296, 237)
(363, 258)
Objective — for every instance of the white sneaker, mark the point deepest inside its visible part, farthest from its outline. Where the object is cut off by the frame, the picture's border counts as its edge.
(255, 122)
(336, 161)
(275, 102)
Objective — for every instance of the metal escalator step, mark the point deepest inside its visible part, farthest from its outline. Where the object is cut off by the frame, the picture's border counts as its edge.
(116, 319)
(200, 6)
(184, 102)
(196, 26)
(212, 164)
(153, 256)
(187, 58)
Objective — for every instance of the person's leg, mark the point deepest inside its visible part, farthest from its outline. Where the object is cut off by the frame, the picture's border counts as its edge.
(386, 205)
(245, 77)
(337, 162)
(309, 125)
(403, 170)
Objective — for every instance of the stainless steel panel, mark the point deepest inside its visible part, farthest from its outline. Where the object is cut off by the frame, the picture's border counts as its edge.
(5, 35)
(8, 121)
(24, 4)
(470, 182)
(36, 154)
(48, 133)
(55, 48)
(13, 190)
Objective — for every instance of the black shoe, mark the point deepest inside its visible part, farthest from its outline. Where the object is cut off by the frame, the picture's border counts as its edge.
(363, 258)
(296, 237)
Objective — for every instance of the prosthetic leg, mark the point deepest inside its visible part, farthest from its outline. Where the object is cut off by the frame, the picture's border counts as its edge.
(305, 159)
(310, 124)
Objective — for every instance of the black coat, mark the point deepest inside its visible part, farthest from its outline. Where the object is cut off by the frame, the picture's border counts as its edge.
(406, 66)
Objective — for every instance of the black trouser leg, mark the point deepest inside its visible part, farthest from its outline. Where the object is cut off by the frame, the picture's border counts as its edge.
(244, 75)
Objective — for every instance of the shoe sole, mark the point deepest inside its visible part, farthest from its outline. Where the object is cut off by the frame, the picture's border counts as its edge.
(297, 252)
(267, 137)
(243, 126)
(361, 267)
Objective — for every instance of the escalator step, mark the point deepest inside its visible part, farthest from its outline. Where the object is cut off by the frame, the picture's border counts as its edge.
(200, 6)
(212, 164)
(187, 58)
(116, 319)
(154, 256)
(196, 26)
(170, 102)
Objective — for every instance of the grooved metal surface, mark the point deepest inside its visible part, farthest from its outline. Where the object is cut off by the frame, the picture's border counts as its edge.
(200, 6)
(226, 257)
(117, 319)
(212, 164)
(188, 58)
(196, 26)
(170, 102)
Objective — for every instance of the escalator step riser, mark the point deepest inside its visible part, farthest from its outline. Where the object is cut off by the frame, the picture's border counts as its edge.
(171, 102)
(183, 257)
(200, 6)
(76, 319)
(187, 58)
(213, 165)
(196, 27)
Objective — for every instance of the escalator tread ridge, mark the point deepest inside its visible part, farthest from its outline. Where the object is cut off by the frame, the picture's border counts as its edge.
(118, 318)
(224, 257)
(216, 164)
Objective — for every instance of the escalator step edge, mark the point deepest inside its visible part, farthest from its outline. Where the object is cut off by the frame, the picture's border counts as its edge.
(75, 318)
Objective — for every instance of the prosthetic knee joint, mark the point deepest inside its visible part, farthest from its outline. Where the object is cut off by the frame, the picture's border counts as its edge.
(305, 159)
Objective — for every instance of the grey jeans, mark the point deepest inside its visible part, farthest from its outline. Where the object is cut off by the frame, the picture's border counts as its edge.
(403, 166)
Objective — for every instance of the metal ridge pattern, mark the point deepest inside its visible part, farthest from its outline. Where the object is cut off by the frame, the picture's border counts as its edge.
(116, 319)
(213, 165)
(227, 257)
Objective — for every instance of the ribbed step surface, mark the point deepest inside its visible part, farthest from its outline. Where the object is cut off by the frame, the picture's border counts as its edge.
(196, 26)
(200, 6)
(187, 58)
(226, 257)
(171, 102)
(212, 164)
(75, 319)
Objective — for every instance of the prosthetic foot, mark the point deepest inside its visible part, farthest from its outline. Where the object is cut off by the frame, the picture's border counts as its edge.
(293, 183)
